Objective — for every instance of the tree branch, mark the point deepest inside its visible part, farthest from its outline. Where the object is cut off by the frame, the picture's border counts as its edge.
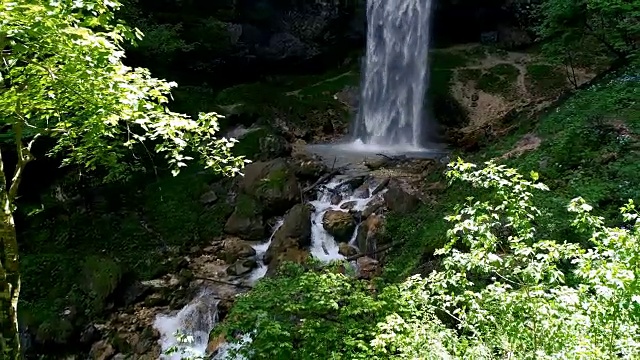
(24, 155)
(384, 248)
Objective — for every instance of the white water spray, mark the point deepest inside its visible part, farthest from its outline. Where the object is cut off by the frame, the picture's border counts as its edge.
(395, 74)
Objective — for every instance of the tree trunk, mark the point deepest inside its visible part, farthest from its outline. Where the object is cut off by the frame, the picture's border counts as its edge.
(9, 276)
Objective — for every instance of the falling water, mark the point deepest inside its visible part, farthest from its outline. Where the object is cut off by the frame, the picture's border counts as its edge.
(395, 74)
(195, 320)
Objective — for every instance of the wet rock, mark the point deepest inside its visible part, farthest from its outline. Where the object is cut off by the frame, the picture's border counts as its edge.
(89, 335)
(246, 220)
(372, 207)
(209, 197)
(381, 186)
(336, 199)
(133, 292)
(241, 267)
(295, 232)
(398, 200)
(101, 350)
(349, 205)
(368, 268)
(352, 183)
(339, 224)
(215, 343)
(235, 248)
(295, 255)
(273, 184)
(347, 250)
(156, 299)
(309, 168)
(376, 163)
(371, 234)
(362, 192)
(273, 146)
(350, 97)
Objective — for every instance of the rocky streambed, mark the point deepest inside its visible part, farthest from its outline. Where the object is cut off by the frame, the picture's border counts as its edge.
(285, 209)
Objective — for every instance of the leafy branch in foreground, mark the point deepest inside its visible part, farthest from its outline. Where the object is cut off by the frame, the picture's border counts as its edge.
(500, 292)
(62, 78)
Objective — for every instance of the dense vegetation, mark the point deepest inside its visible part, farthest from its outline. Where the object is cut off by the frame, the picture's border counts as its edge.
(523, 269)
(63, 79)
(499, 266)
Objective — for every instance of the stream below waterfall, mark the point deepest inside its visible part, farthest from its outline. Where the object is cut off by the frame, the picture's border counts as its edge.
(199, 317)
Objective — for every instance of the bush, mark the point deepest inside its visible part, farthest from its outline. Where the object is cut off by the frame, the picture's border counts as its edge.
(500, 291)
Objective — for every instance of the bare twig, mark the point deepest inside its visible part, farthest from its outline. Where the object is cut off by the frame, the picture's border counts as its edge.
(223, 282)
(384, 248)
(322, 179)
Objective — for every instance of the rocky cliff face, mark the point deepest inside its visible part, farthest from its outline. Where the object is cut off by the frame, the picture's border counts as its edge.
(226, 42)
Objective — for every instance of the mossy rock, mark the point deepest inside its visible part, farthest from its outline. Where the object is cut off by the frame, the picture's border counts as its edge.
(545, 80)
(261, 144)
(102, 277)
(247, 206)
(58, 331)
(500, 80)
(466, 75)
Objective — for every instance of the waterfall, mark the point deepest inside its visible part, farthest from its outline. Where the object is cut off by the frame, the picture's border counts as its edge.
(195, 320)
(395, 74)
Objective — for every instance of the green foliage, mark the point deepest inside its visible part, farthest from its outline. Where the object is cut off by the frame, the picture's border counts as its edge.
(565, 25)
(152, 216)
(501, 291)
(469, 74)
(545, 80)
(64, 78)
(500, 79)
(247, 207)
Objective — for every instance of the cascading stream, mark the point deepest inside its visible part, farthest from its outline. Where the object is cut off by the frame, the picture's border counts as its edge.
(395, 74)
(199, 317)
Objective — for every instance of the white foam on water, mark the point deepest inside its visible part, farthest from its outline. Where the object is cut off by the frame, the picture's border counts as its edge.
(261, 249)
(194, 320)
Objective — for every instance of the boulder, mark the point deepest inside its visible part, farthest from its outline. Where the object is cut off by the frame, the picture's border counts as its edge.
(307, 167)
(398, 200)
(347, 250)
(339, 224)
(370, 234)
(368, 268)
(295, 255)
(235, 248)
(215, 343)
(372, 207)
(362, 192)
(273, 146)
(246, 220)
(273, 184)
(349, 205)
(101, 350)
(209, 197)
(295, 233)
(241, 267)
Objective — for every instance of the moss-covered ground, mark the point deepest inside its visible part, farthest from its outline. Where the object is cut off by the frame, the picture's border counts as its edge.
(589, 147)
(75, 253)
